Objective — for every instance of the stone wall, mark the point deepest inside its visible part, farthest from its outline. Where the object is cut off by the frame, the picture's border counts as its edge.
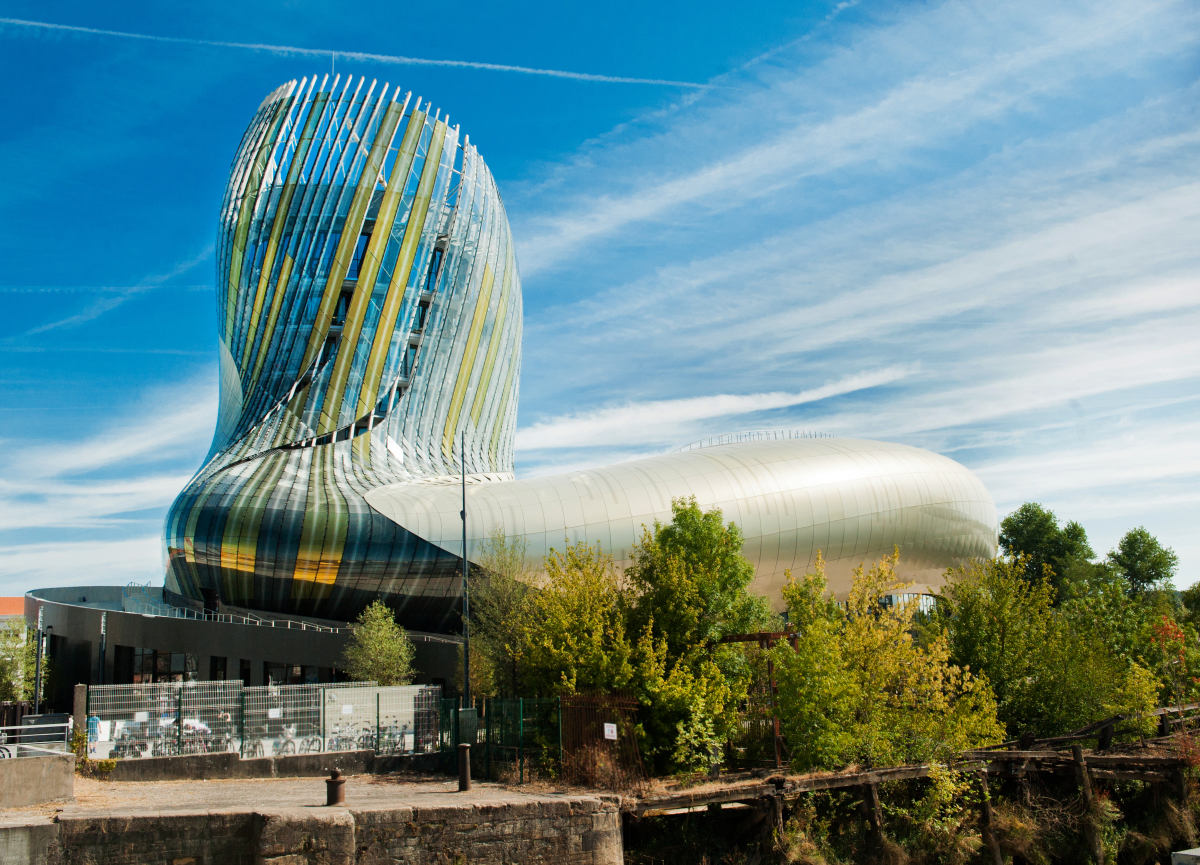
(33, 780)
(568, 830)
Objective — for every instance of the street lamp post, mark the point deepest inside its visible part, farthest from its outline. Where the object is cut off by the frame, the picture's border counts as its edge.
(37, 666)
(103, 638)
(466, 610)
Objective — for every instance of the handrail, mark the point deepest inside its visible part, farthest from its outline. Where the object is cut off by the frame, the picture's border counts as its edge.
(760, 435)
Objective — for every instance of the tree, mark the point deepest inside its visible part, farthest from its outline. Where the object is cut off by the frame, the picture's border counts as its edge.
(1033, 531)
(689, 576)
(997, 620)
(688, 587)
(500, 604)
(379, 650)
(859, 687)
(1053, 669)
(18, 655)
(575, 638)
(1144, 562)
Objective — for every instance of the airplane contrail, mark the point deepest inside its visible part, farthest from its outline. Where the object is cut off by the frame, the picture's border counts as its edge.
(357, 55)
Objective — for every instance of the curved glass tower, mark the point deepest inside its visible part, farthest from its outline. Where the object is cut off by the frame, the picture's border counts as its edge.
(369, 323)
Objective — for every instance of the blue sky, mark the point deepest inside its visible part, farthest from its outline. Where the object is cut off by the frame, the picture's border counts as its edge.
(967, 226)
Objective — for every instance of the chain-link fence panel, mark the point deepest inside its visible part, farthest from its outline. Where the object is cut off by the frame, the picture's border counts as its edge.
(281, 720)
(145, 720)
(173, 718)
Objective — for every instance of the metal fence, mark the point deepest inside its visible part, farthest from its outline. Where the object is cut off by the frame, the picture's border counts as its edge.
(522, 738)
(599, 740)
(36, 736)
(173, 718)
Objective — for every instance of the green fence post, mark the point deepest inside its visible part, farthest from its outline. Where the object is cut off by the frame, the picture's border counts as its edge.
(376, 720)
(521, 738)
(488, 705)
(560, 750)
(242, 726)
(179, 720)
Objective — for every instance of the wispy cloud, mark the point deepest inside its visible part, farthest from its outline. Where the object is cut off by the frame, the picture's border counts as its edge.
(133, 464)
(79, 563)
(659, 420)
(1006, 195)
(964, 88)
(396, 59)
(101, 305)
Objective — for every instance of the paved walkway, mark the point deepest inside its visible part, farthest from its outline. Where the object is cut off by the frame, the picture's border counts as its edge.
(362, 791)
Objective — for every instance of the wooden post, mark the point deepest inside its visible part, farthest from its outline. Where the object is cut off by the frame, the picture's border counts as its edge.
(871, 810)
(773, 692)
(985, 821)
(1090, 829)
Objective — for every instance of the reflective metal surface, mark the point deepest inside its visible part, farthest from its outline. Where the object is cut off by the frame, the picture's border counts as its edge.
(853, 500)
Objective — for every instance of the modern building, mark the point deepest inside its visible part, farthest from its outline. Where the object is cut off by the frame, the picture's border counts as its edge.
(369, 327)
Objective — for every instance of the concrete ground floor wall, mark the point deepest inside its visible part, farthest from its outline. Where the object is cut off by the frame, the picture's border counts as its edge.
(491, 826)
(33, 780)
(204, 767)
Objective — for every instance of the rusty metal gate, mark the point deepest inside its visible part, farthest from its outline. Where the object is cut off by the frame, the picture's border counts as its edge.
(599, 741)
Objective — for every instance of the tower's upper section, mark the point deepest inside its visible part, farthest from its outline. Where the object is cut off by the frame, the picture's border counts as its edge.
(367, 286)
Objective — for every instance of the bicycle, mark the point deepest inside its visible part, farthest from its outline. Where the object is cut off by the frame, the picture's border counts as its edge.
(286, 745)
(312, 744)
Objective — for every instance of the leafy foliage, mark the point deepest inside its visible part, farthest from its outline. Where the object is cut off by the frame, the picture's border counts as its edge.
(860, 688)
(1052, 670)
(500, 605)
(653, 631)
(1143, 561)
(576, 636)
(1034, 532)
(18, 654)
(379, 651)
(689, 587)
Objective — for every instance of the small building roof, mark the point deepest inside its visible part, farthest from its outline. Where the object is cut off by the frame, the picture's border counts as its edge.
(12, 606)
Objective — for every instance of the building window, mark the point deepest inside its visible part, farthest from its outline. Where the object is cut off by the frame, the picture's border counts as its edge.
(245, 672)
(151, 666)
(435, 264)
(290, 674)
(217, 669)
(339, 312)
(360, 251)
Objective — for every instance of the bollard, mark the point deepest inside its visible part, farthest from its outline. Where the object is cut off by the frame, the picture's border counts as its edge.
(464, 767)
(335, 788)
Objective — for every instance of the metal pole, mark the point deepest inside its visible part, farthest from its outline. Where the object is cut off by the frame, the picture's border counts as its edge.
(466, 614)
(103, 638)
(37, 676)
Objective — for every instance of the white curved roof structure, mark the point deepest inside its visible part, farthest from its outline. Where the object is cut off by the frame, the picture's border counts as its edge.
(852, 499)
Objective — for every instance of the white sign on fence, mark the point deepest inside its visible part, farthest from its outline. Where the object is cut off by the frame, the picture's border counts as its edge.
(273, 714)
(348, 709)
(610, 732)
